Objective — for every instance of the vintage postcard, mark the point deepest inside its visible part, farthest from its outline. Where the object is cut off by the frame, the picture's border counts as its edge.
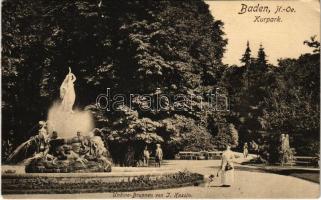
(168, 99)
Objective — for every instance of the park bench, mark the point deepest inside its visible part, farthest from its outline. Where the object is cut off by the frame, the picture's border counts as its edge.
(188, 155)
(214, 155)
(202, 155)
(306, 160)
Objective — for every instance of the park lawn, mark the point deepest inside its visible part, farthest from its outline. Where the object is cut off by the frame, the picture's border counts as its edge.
(313, 176)
(306, 174)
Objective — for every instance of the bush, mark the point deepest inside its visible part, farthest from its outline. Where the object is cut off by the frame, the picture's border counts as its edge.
(42, 184)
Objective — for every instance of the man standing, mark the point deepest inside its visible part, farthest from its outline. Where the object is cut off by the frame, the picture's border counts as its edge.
(158, 155)
(245, 150)
(146, 157)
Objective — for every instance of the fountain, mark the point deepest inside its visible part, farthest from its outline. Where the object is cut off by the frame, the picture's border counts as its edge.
(66, 142)
(68, 156)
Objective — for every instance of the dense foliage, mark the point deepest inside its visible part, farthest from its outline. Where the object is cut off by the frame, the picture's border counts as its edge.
(149, 47)
(268, 101)
(153, 48)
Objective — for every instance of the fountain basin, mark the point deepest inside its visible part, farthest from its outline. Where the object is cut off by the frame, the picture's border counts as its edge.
(121, 179)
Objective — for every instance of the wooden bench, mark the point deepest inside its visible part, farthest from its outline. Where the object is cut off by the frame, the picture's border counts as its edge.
(189, 155)
(305, 160)
(214, 155)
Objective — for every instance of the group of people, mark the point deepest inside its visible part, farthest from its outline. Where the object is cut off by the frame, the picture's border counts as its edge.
(158, 156)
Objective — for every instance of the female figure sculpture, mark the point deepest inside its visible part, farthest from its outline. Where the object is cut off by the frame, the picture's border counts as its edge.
(67, 92)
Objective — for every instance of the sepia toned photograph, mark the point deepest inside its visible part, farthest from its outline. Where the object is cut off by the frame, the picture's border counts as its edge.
(169, 99)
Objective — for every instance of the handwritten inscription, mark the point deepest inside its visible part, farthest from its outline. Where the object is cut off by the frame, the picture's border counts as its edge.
(266, 13)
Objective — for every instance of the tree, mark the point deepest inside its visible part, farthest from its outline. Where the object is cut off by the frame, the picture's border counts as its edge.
(313, 43)
(132, 47)
(293, 104)
(227, 135)
(246, 59)
(261, 57)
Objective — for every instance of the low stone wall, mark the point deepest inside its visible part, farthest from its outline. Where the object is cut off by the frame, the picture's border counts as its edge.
(95, 182)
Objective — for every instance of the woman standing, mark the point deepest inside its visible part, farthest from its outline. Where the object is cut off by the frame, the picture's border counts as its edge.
(158, 155)
(227, 167)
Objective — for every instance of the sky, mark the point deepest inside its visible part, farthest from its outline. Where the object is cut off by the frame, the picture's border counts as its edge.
(280, 40)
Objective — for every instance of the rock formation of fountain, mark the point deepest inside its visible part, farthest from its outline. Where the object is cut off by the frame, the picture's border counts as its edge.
(66, 142)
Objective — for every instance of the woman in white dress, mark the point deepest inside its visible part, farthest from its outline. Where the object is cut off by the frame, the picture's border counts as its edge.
(67, 92)
(227, 167)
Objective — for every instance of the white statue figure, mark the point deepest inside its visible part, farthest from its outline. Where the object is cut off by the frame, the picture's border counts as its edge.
(67, 92)
(282, 140)
(43, 132)
(287, 141)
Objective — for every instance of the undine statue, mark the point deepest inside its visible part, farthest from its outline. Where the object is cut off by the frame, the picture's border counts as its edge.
(67, 92)
(47, 152)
